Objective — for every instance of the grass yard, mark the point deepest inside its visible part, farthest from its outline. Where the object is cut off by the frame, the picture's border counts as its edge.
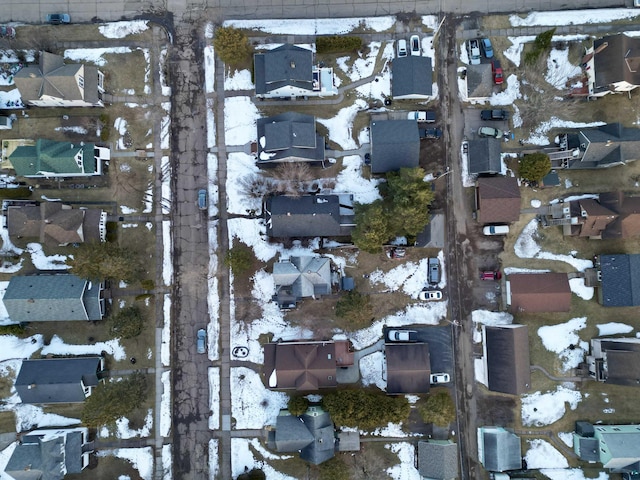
(125, 71)
(108, 469)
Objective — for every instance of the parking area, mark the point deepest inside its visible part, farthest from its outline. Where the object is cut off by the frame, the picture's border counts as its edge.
(472, 122)
(439, 339)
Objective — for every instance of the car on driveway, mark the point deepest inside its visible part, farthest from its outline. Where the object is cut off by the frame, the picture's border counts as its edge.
(490, 275)
(430, 132)
(474, 52)
(201, 341)
(428, 116)
(402, 48)
(58, 18)
(494, 115)
(487, 48)
(490, 132)
(438, 378)
(414, 43)
(496, 70)
(430, 295)
(402, 335)
(434, 271)
(496, 229)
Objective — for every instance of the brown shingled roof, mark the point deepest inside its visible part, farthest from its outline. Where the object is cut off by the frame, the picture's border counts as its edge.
(539, 292)
(498, 200)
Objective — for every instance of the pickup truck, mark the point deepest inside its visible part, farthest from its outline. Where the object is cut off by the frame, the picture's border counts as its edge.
(494, 115)
(429, 116)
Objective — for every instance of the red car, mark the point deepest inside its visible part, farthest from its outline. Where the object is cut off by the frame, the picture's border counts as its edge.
(496, 70)
(490, 275)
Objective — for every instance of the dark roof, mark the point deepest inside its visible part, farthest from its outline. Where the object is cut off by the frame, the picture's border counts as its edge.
(479, 81)
(52, 297)
(498, 200)
(622, 365)
(312, 434)
(292, 434)
(309, 216)
(282, 66)
(618, 62)
(589, 449)
(551, 179)
(620, 275)
(438, 459)
(507, 348)
(408, 367)
(412, 76)
(540, 292)
(290, 136)
(57, 380)
(501, 449)
(627, 223)
(606, 146)
(304, 366)
(484, 156)
(394, 144)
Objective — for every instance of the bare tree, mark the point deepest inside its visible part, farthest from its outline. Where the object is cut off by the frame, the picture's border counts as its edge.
(293, 177)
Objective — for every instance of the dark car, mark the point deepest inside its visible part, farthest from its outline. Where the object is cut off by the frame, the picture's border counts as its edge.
(58, 18)
(430, 133)
(494, 115)
(496, 70)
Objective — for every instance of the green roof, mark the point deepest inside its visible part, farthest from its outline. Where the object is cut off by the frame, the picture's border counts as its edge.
(50, 158)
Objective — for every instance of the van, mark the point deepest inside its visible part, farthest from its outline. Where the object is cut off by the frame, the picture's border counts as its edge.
(496, 230)
(402, 48)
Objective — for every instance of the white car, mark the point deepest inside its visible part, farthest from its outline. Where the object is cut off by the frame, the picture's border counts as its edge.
(496, 230)
(414, 43)
(430, 295)
(473, 47)
(402, 335)
(438, 378)
(402, 48)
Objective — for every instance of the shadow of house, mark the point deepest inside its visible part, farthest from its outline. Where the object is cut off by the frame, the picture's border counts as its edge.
(618, 280)
(408, 368)
(301, 277)
(497, 200)
(613, 65)
(499, 449)
(615, 360)
(616, 447)
(438, 459)
(412, 78)
(506, 358)
(395, 144)
(538, 292)
(485, 156)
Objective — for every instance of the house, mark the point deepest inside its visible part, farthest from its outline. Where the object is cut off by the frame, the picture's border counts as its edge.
(507, 358)
(615, 360)
(479, 82)
(289, 72)
(58, 380)
(497, 200)
(412, 78)
(52, 83)
(51, 159)
(499, 449)
(538, 292)
(48, 297)
(312, 434)
(305, 365)
(301, 277)
(50, 454)
(394, 144)
(438, 459)
(484, 156)
(612, 65)
(619, 280)
(616, 447)
(408, 368)
(289, 137)
(310, 216)
(54, 223)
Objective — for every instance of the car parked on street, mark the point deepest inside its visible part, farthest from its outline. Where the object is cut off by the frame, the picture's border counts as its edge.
(202, 199)
(434, 271)
(494, 115)
(496, 70)
(438, 378)
(201, 341)
(402, 48)
(487, 48)
(489, 132)
(402, 335)
(414, 43)
(496, 229)
(430, 295)
(58, 18)
(474, 52)
(490, 275)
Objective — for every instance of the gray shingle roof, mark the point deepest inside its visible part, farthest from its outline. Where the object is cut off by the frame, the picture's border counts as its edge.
(618, 62)
(484, 156)
(289, 136)
(508, 369)
(285, 65)
(605, 146)
(394, 144)
(408, 368)
(412, 76)
(438, 459)
(501, 449)
(620, 280)
(312, 434)
(303, 276)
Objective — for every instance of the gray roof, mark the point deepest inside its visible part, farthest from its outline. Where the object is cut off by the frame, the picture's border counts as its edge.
(292, 434)
(303, 277)
(312, 434)
(438, 459)
(605, 146)
(588, 449)
(620, 280)
(408, 367)
(52, 297)
(290, 136)
(412, 76)
(309, 216)
(507, 348)
(285, 65)
(501, 449)
(484, 156)
(618, 62)
(622, 365)
(57, 380)
(394, 144)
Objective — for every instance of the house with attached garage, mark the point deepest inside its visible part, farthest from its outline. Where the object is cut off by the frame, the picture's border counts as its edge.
(52, 83)
(394, 144)
(506, 358)
(412, 78)
(289, 72)
(289, 137)
(301, 277)
(59, 380)
(49, 297)
(408, 368)
(616, 447)
(612, 65)
(51, 159)
(538, 292)
(617, 280)
(497, 200)
(615, 360)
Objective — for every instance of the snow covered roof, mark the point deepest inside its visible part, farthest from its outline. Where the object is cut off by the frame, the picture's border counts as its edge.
(508, 369)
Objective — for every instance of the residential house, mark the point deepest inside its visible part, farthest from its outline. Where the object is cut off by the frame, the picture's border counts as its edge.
(394, 144)
(412, 78)
(497, 200)
(48, 297)
(54, 223)
(310, 216)
(499, 449)
(51, 159)
(312, 434)
(506, 358)
(438, 459)
(612, 65)
(289, 137)
(289, 72)
(616, 447)
(305, 365)
(538, 292)
(52, 83)
(58, 380)
(618, 280)
(484, 156)
(408, 368)
(301, 277)
(615, 360)
(50, 454)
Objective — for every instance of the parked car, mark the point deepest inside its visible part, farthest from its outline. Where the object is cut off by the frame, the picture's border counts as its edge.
(428, 116)
(414, 42)
(496, 70)
(402, 335)
(202, 199)
(438, 378)
(201, 341)
(496, 230)
(490, 132)
(487, 47)
(430, 295)
(58, 18)
(397, 252)
(6, 31)
(430, 132)
(402, 48)
(434, 271)
(474, 52)
(490, 275)
(494, 115)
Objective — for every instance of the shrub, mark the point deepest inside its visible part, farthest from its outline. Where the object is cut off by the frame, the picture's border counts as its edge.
(112, 400)
(334, 469)
(10, 193)
(148, 284)
(105, 133)
(297, 405)
(338, 44)
(438, 409)
(127, 323)
(364, 409)
(102, 260)
(16, 330)
(232, 46)
(533, 167)
(355, 308)
(253, 474)
(239, 258)
(372, 228)
(541, 44)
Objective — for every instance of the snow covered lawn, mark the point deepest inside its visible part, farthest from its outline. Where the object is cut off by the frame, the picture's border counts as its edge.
(539, 409)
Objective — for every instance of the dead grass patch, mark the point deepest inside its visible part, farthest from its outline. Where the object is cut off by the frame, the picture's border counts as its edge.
(494, 22)
(125, 71)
